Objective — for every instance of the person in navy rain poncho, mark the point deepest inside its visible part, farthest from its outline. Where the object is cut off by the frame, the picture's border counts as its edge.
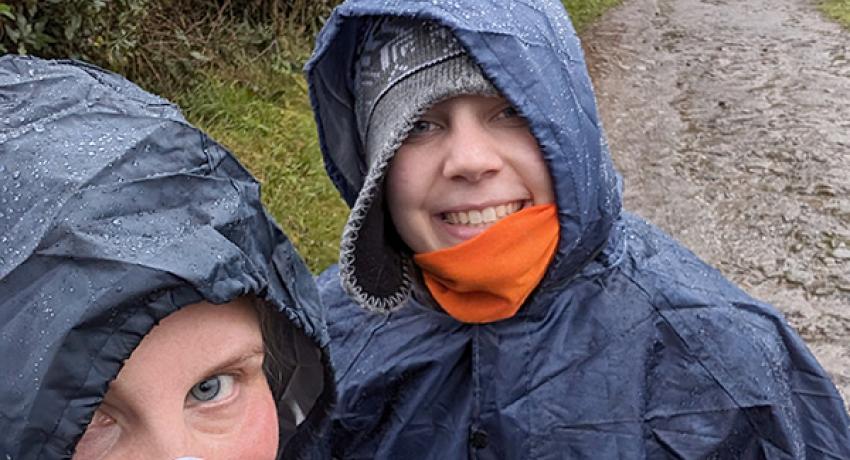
(492, 299)
(149, 305)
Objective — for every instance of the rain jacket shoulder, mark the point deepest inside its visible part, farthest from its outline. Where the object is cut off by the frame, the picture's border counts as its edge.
(114, 213)
(630, 347)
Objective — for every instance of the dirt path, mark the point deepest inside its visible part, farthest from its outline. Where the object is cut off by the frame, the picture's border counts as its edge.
(730, 121)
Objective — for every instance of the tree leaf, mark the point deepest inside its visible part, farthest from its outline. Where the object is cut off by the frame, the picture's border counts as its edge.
(13, 34)
(6, 11)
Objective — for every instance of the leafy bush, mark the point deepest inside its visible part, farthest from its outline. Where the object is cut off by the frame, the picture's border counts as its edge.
(162, 45)
(79, 28)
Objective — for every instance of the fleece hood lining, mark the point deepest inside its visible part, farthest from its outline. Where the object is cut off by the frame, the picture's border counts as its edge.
(592, 210)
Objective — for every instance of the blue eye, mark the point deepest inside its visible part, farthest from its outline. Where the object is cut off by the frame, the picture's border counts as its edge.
(215, 387)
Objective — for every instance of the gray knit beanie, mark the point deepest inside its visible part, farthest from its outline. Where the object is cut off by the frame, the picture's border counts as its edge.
(404, 67)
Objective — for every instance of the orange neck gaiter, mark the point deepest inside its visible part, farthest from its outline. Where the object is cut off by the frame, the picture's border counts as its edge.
(487, 278)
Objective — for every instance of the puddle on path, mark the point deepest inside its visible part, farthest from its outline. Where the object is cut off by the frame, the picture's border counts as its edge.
(730, 122)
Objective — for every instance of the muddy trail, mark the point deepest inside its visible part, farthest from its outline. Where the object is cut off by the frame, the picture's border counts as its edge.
(730, 122)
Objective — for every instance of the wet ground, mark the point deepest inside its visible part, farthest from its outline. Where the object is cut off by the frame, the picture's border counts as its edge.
(730, 121)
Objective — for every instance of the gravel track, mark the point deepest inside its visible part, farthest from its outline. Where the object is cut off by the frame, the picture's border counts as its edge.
(730, 121)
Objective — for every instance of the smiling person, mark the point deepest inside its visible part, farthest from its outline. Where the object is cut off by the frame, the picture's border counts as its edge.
(492, 299)
(149, 306)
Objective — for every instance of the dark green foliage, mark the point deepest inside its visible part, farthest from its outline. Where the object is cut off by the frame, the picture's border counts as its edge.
(100, 30)
(161, 45)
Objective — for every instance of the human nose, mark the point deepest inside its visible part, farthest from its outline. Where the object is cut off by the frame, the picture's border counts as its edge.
(472, 154)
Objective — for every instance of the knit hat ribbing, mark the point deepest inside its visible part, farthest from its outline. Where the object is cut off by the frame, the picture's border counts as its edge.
(405, 66)
(399, 63)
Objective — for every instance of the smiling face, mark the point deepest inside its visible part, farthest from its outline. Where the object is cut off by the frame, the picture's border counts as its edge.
(467, 163)
(193, 387)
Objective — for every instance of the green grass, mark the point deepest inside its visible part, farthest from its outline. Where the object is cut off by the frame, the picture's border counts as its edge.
(265, 118)
(259, 109)
(838, 10)
(584, 12)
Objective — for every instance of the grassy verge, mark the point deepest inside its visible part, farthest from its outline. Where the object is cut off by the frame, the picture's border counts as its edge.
(584, 12)
(264, 117)
(838, 10)
(259, 109)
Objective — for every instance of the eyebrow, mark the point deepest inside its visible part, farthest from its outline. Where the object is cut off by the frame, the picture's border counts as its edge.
(114, 395)
(235, 360)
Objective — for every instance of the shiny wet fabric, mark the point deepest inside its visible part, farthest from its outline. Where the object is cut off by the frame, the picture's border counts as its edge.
(630, 348)
(114, 213)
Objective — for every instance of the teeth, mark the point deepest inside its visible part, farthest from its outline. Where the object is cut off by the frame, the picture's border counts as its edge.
(484, 216)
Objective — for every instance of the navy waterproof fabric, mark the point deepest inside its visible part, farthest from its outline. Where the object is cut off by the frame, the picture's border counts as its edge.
(114, 213)
(631, 347)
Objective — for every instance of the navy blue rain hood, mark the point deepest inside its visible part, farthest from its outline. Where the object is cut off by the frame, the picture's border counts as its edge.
(631, 347)
(529, 50)
(114, 213)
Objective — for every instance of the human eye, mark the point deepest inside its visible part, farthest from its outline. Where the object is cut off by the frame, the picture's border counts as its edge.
(100, 418)
(509, 112)
(509, 117)
(212, 389)
(101, 435)
(421, 127)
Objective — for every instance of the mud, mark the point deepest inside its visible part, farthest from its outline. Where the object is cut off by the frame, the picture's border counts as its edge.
(730, 122)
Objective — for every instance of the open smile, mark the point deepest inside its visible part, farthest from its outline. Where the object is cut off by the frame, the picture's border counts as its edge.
(483, 216)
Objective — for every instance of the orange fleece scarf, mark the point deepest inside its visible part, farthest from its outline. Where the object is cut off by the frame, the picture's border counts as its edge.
(487, 278)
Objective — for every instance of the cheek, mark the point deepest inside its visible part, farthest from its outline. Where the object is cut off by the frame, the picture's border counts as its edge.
(541, 185)
(413, 172)
(251, 431)
(534, 171)
(399, 182)
(259, 431)
(406, 190)
(410, 207)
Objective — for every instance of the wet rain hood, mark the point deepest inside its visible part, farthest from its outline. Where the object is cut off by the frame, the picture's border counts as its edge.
(631, 348)
(114, 213)
(535, 60)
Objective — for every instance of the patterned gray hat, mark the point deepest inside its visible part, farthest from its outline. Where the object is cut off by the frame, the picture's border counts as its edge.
(404, 67)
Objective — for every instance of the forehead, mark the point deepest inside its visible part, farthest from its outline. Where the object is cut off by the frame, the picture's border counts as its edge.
(188, 344)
